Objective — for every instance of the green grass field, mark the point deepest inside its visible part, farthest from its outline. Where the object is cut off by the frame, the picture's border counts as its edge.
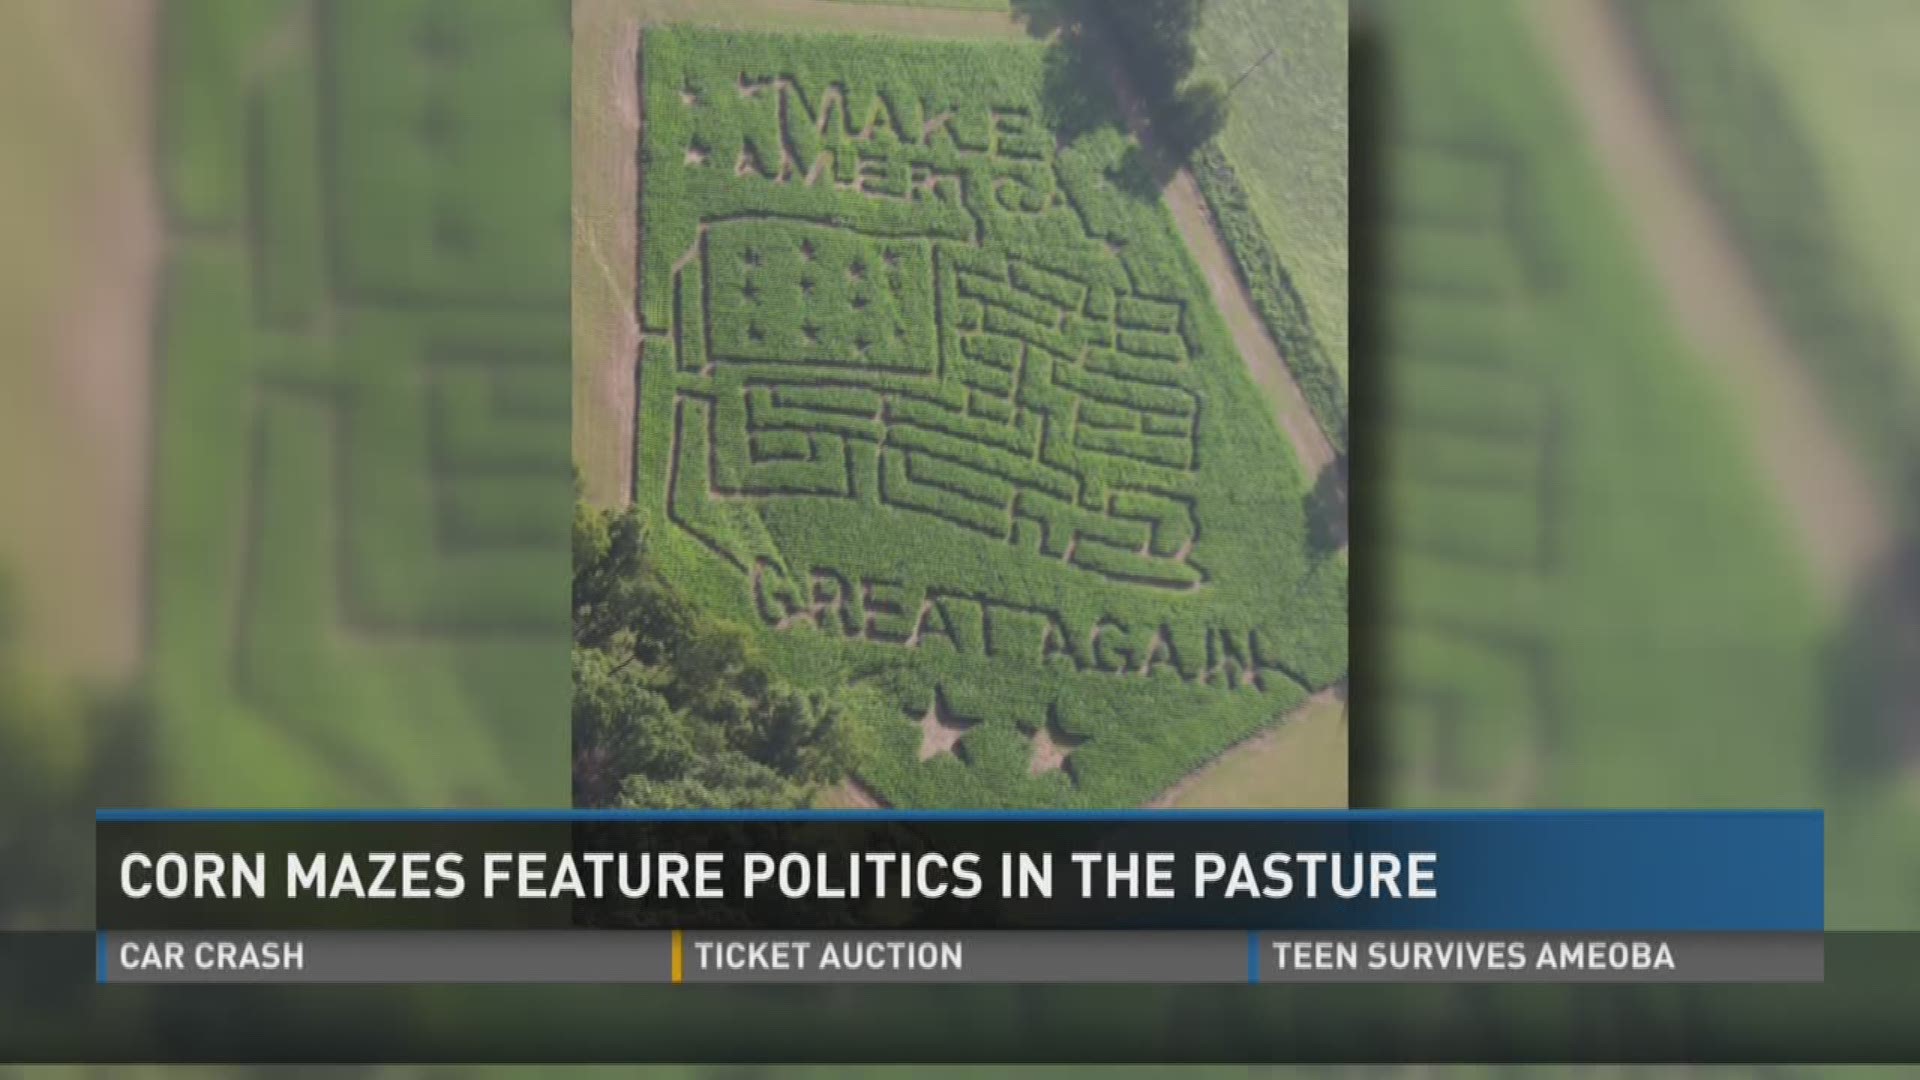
(1589, 600)
(1286, 139)
(1845, 80)
(1783, 108)
(932, 396)
(362, 475)
(1779, 107)
(1848, 77)
(1302, 763)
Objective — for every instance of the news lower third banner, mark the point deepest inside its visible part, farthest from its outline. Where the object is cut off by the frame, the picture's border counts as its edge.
(959, 896)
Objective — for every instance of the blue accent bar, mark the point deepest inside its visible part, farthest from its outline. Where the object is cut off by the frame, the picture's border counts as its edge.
(1253, 957)
(1642, 817)
(100, 958)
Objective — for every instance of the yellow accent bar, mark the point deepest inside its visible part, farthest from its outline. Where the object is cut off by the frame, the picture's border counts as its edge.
(679, 962)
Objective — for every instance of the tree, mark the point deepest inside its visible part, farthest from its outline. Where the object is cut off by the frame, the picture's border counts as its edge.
(676, 708)
(1194, 117)
(1158, 35)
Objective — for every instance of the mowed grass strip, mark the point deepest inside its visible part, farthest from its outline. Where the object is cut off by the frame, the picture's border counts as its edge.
(606, 343)
(1286, 142)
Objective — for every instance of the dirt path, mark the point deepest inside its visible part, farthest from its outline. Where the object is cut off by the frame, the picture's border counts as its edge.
(850, 794)
(1232, 299)
(1235, 303)
(87, 251)
(1269, 369)
(606, 329)
(1831, 504)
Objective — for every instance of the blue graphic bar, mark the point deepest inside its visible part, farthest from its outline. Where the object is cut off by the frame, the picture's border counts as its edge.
(1506, 870)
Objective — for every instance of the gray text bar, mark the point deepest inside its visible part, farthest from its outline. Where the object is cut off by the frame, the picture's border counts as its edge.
(986, 956)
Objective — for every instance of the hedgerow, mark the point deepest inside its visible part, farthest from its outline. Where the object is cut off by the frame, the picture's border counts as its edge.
(936, 400)
(1274, 296)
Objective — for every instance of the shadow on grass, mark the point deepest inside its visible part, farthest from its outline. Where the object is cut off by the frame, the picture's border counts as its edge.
(1327, 527)
(1873, 676)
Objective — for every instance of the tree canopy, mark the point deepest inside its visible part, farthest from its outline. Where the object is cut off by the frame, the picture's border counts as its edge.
(1157, 37)
(1194, 116)
(673, 708)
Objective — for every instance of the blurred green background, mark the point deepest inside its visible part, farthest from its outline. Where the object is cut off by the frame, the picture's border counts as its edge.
(284, 411)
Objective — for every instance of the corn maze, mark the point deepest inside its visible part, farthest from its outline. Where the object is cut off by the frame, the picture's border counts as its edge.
(1475, 471)
(361, 479)
(931, 393)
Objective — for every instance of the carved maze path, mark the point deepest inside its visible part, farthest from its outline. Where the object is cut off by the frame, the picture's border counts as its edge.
(363, 413)
(1473, 470)
(1046, 428)
(921, 372)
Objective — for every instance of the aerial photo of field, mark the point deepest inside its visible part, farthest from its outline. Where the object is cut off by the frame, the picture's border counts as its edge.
(936, 383)
(285, 419)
